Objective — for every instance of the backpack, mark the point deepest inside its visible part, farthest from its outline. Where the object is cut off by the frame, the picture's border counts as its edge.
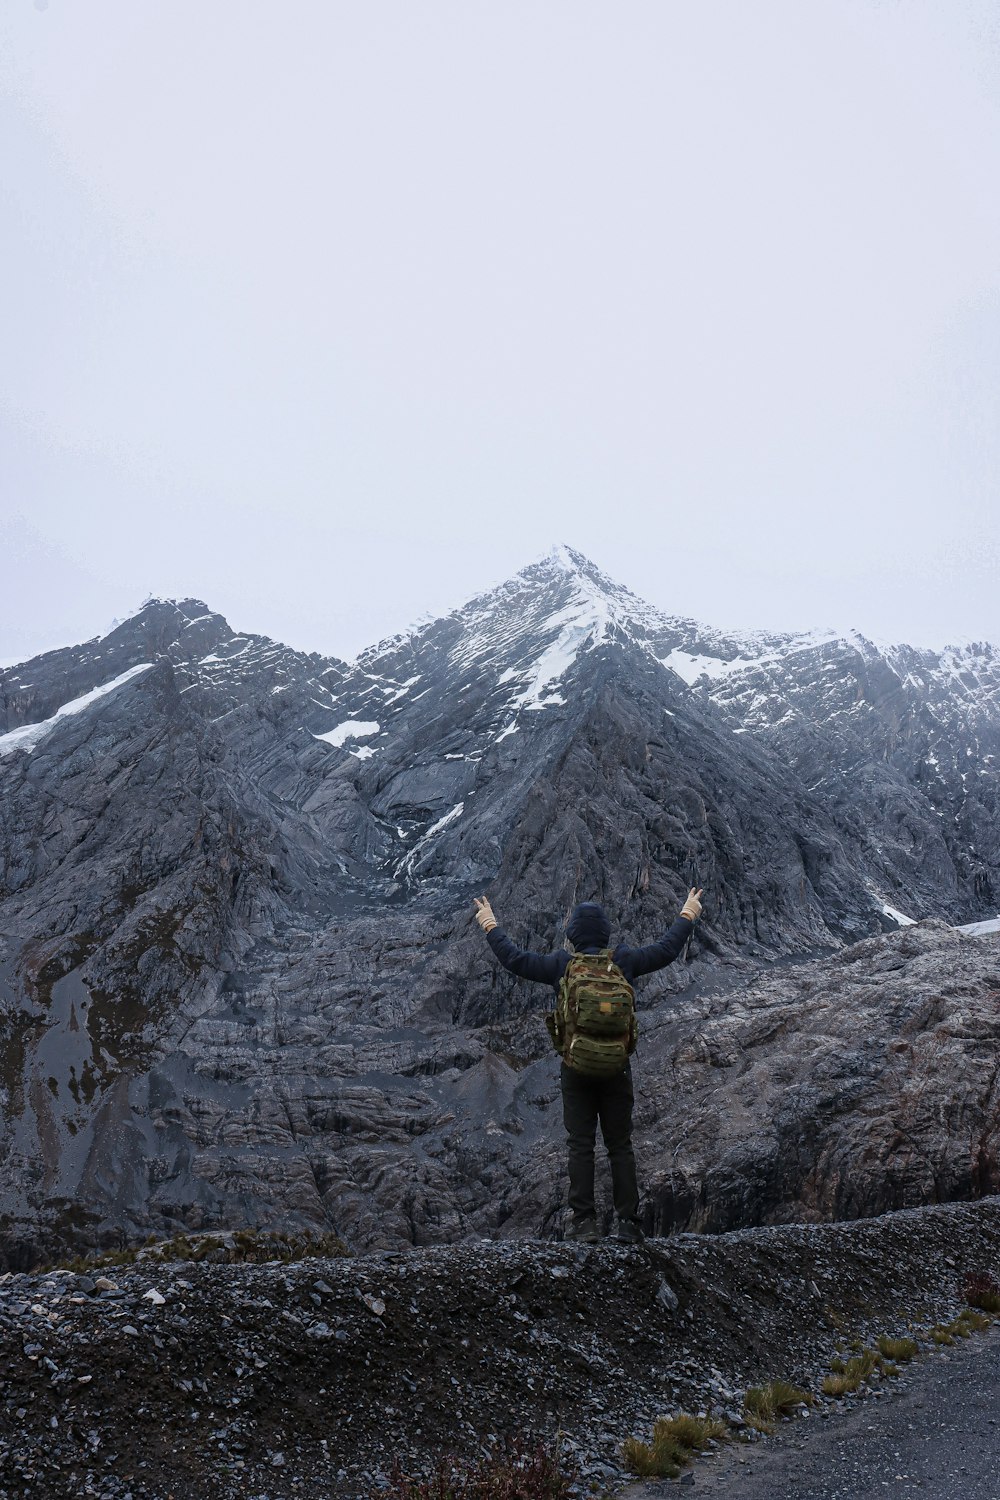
(594, 1026)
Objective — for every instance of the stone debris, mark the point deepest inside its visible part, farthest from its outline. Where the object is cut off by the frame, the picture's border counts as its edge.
(239, 1384)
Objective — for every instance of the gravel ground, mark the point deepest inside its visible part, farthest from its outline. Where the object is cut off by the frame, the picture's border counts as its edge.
(200, 1381)
(937, 1437)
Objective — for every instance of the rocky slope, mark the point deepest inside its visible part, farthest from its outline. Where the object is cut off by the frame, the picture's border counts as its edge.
(238, 979)
(222, 1381)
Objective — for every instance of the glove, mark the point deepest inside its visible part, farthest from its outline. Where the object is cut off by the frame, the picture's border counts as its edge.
(484, 913)
(692, 906)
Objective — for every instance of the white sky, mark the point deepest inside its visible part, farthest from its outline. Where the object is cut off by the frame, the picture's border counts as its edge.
(334, 313)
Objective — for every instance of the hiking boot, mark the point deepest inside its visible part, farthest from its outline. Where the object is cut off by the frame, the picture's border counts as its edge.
(629, 1232)
(582, 1230)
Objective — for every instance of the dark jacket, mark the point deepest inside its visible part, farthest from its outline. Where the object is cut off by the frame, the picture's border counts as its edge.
(589, 931)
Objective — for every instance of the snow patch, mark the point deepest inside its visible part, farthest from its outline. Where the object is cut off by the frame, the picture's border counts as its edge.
(981, 929)
(28, 736)
(350, 729)
(898, 916)
(690, 667)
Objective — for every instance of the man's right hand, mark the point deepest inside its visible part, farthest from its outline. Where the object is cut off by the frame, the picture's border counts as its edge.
(692, 906)
(484, 913)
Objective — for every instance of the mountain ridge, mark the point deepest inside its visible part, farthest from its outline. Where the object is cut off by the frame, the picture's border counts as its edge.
(236, 946)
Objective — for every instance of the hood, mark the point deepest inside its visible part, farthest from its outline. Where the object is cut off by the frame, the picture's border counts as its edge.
(589, 927)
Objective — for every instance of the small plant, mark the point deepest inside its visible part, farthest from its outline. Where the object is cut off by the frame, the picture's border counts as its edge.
(942, 1335)
(859, 1368)
(675, 1439)
(695, 1432)
(223, 1246)
(977, 1322)
(896, 1350)
(787, 1397)
(758, 1409)
(652, 1460)
(982, 1291)
(513, 1470)
(765, 1405)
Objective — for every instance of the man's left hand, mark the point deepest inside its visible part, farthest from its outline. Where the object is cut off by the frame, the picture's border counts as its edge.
(692, 906)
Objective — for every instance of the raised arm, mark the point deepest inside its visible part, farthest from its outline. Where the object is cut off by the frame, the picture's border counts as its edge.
(543, 968)
(646, 960)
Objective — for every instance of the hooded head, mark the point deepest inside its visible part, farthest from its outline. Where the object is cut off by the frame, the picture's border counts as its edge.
(588, 927)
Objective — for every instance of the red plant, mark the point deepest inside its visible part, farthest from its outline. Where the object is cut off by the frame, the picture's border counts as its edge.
(512, 1470)
(980, 1290)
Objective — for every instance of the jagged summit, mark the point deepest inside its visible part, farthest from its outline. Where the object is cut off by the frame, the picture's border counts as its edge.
(155, 605)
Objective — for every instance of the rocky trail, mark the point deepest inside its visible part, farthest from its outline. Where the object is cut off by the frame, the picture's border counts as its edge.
(264, 1382)
(938, 1437)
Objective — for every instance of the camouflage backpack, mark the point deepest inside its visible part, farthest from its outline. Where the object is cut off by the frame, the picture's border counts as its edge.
(594, 1025)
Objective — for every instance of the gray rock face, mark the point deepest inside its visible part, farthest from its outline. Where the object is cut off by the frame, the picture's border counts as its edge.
(238, 977)
(831, 1090)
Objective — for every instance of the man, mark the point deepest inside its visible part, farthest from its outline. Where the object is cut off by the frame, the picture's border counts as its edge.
(589, 1099)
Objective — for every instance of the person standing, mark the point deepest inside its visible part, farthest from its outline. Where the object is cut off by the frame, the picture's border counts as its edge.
(593, 1029)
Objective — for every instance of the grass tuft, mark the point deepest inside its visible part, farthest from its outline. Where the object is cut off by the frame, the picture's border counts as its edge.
(765, 1405)
(942, 1335)
(692, 1432)
(978, 1322)
(859, 1368)
(646, 1462)
(758, 1409)
(899, 1351)
(675, 1439)
(787, 1397)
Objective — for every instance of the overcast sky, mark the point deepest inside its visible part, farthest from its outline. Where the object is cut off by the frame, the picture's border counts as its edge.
(332, 314)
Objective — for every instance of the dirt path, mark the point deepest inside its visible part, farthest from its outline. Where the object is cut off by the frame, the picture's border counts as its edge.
(936, 1436)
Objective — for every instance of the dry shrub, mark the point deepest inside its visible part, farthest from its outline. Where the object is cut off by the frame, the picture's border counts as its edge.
(982, 1291)
(513, 1470)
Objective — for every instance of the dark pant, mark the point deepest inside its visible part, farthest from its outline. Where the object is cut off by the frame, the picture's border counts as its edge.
(585, 1101)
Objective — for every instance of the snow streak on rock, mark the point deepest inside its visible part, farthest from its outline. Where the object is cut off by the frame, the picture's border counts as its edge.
(28, 736)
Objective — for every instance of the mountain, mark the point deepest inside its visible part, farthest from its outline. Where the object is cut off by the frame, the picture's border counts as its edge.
(238, 978)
